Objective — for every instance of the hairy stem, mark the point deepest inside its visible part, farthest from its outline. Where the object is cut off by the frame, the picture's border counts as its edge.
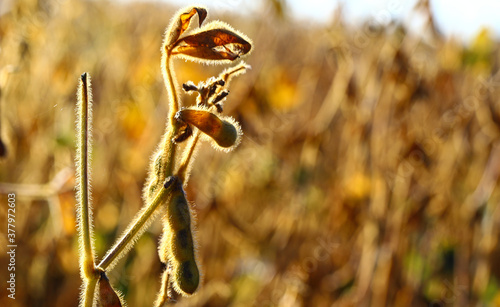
(146, 217)
(164, 296)
(84, 125)
(170, 84)
(187, 158)
(88, 292)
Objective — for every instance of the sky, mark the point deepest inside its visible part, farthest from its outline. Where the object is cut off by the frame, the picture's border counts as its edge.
(459, 18)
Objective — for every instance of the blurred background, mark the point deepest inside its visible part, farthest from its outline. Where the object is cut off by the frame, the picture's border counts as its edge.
(367, 175)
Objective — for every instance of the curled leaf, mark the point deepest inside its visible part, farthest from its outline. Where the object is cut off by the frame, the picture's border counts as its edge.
(214, 42)
(180, 23)
(225, 132)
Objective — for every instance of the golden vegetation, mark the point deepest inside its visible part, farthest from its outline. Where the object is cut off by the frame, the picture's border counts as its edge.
(367, 174)
(163, 192)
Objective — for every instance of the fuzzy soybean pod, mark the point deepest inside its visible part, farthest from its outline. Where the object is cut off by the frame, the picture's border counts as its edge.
(224, 131)
(177, 245)
(107, 295)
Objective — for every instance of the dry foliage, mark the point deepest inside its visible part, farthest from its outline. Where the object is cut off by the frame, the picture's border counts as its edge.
(367, 174)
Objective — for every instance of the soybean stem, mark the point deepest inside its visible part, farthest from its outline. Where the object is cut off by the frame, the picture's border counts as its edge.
(135, 229)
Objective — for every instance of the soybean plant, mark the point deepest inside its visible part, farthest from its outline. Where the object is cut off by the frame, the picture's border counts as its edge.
(212, 43)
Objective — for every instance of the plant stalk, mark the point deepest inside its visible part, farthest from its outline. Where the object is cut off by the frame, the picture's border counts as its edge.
(146, 216)
(84, 125)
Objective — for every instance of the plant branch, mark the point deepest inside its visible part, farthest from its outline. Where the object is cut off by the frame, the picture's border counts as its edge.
(84, 125)
(170, 83)
(185, 165)
(88, 292)
(145, 217)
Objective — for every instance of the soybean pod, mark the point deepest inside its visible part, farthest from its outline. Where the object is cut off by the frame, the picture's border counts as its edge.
(177, 246)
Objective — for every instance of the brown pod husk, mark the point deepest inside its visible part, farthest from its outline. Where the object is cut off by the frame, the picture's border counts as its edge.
(224, 131)
(107, 295)
(212, 43)
(180, 23)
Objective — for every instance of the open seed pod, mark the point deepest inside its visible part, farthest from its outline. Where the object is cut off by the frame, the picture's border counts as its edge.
(180, 23)
(213, 43)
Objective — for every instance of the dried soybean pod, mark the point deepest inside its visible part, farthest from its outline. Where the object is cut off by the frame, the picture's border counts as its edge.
(177, 245)
(224, 131)
(181, 21)
(107, 295)
(213, 43)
